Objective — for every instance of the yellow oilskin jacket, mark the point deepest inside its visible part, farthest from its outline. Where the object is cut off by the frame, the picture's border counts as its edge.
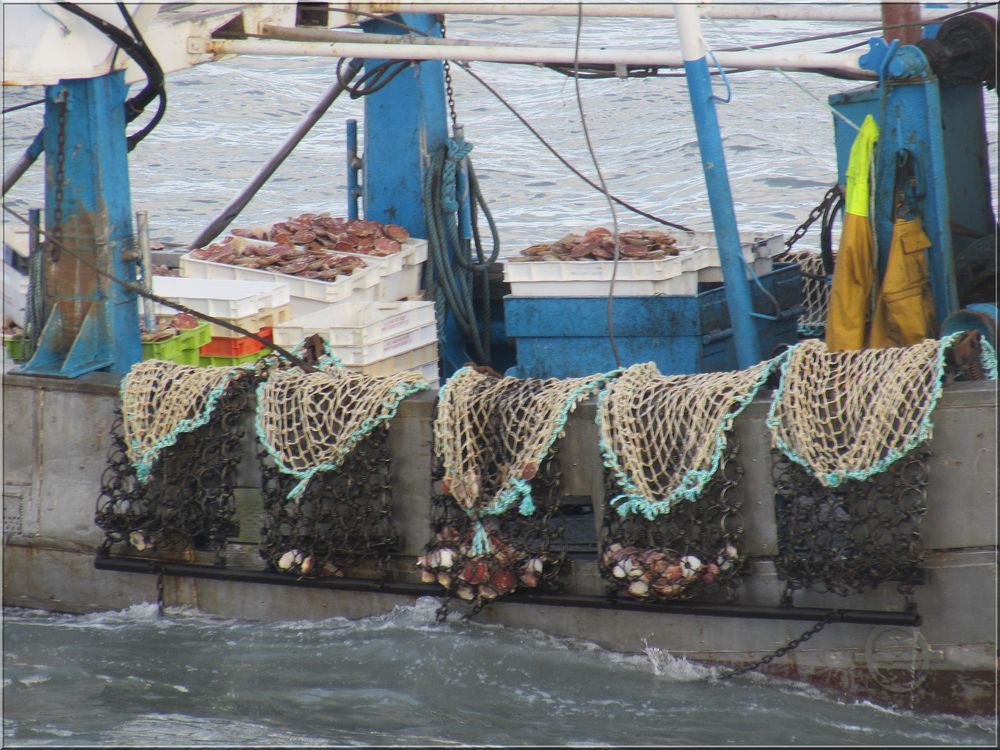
(854, 273)
(904, 309)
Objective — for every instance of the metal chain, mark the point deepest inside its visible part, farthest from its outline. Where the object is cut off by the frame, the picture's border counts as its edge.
(790, 646)
(448, 90)
(831, 195)
(60, 178)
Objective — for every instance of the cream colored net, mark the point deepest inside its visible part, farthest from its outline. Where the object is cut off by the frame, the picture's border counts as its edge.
(492, 434)
(160, 400)
(309, 422)
(849, 415)
(815, 289)
(663, 436)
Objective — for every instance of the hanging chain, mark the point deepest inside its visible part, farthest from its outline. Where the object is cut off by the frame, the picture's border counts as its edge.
(60, 175)
(829, 198)
(790, 646)
(448, 90)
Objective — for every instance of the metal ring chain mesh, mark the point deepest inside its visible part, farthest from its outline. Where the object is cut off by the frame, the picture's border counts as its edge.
(341, 521)
(525, 551)
(497, 515)
(852, 537)
(692, 551)
(663, 437)
(188, 501)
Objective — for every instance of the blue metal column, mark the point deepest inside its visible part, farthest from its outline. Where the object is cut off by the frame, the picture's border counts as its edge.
(717, 180)
(405, 123)
(91, 322)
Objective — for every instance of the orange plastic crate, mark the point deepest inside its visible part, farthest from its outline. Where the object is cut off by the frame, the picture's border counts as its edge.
(240, 346)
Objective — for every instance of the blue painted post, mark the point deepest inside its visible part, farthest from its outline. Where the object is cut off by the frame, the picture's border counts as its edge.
(91, 322)
(717, 180)
(405, 123)
(353, 165)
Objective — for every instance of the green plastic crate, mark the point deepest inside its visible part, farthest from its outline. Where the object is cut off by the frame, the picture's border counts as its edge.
(231, 361)
(14, 346)
(182, 348)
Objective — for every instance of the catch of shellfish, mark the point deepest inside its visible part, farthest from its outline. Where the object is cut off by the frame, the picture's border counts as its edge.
(323, 232)
(646, 573)
(598, 243)
(280, 258)
(449, 560)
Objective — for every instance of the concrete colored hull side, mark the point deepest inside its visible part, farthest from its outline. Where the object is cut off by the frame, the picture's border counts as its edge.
(55, 449)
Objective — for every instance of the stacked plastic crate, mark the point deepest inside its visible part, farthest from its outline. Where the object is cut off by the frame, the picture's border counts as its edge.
(367, 309)
(255, 306)
(377, 338)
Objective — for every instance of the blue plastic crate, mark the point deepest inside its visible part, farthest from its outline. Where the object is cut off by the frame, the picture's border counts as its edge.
(568, 336)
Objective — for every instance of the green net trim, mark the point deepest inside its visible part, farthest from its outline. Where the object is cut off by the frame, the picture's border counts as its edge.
(922, 433)
(146, 459)
(633, 501)
(389, 407)
(518, 490)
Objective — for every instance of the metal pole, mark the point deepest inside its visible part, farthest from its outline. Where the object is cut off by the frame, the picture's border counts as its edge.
(142, 239)
(750, 10)
(354, 164)
(902, 13)
(230, 212)
(717, 180)
(844, 62)
(464, 207)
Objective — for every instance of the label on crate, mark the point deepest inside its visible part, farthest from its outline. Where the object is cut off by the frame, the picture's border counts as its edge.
(394, 322)
(583, 270)
(398, 342)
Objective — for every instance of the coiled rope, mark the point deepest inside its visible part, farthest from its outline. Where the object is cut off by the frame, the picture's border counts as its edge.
(453, 269)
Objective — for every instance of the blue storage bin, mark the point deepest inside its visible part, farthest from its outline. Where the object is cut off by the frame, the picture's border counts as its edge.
(568, 336)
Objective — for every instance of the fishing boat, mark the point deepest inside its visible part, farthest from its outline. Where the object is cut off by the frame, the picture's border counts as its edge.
(715, 445)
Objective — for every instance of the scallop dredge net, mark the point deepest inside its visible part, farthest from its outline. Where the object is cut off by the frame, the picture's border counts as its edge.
(178, 441)
(496, 522)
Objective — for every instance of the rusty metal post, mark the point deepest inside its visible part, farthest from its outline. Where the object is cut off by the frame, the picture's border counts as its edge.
(894, 14)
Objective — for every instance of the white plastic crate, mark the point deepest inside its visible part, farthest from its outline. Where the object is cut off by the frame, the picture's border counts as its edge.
(400, 272)
(360, 326)
(389, 346)
(339, 289)
(415, 359)
(592, 278)
(221, 298)
(758, 267)
(340, 308)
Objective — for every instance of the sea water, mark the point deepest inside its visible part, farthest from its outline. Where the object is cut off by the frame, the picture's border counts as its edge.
(132, 678)
(135, 678)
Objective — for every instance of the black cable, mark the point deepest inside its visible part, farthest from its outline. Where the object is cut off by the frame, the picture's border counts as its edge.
(23, 106)
(138, 51)
(153, 88)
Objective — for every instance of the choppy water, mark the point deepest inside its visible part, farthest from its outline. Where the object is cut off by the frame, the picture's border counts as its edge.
(131, 678)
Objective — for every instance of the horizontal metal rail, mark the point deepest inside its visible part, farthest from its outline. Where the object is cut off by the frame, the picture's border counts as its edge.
(842, 62)
(740, 9)
(585, 601)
